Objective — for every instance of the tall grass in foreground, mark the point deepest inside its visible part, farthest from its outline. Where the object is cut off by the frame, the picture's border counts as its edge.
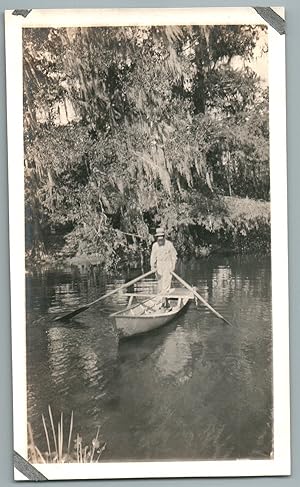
(58, 449)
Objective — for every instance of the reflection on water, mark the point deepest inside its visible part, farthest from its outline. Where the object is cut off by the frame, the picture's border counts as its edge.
(174, 357)
(194, 389)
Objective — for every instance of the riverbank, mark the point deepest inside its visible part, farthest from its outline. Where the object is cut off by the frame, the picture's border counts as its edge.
(240, 226)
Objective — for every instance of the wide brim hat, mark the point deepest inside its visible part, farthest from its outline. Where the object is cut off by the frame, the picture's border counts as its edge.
(160, 232)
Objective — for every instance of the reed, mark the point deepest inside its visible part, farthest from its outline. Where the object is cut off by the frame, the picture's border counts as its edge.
(70, 432)
(58, 451)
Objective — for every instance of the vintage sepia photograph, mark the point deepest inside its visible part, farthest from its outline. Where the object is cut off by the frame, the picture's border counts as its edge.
(145, 181)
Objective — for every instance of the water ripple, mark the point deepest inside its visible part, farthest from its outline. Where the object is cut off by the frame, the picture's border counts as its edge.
(191, 389)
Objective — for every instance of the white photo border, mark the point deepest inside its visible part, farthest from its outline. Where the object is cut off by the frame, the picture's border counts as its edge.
(280, 463)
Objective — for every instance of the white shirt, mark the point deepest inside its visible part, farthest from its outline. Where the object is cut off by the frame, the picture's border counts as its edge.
(163, 257)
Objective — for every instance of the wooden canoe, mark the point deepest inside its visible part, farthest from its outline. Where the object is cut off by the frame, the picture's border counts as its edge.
(152, 313)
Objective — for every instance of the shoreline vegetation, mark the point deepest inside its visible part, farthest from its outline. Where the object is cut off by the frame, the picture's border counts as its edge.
(130, 128)
(242, 228)
(61, 448)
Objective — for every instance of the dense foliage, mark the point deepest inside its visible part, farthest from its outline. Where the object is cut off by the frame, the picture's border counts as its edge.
(130, 127)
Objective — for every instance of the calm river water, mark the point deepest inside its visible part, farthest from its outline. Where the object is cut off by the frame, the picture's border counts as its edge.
(194, 389)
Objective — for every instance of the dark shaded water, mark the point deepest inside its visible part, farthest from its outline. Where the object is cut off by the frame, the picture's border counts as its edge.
(195, 389)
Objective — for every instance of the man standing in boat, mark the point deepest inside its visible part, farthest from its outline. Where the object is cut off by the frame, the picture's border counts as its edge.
(163, 260)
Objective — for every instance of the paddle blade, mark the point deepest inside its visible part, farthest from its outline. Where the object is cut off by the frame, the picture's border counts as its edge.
(226, 321)
(68, 316)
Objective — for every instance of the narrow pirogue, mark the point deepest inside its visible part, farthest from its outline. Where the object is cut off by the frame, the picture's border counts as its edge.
(154, 312)
(150, 314)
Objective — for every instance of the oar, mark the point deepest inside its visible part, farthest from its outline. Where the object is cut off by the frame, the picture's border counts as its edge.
(190, 288)
(110, 293)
